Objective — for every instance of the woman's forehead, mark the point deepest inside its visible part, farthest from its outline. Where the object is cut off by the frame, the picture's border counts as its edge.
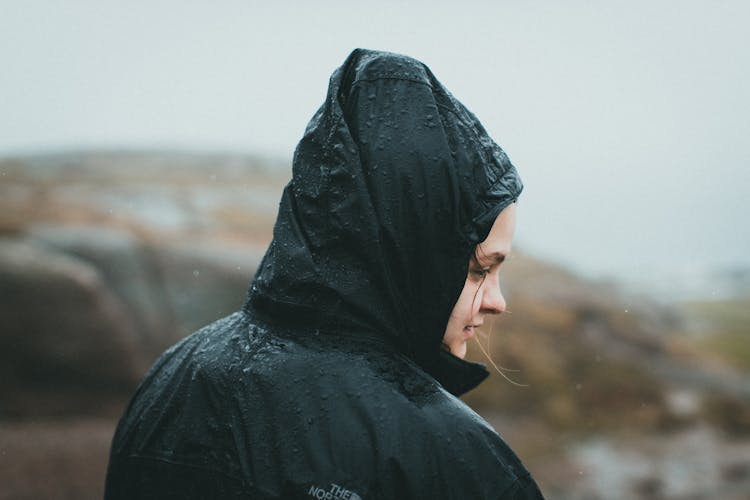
(497, 246)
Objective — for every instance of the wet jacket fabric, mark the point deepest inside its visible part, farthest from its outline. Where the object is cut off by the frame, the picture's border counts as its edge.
(331, 381)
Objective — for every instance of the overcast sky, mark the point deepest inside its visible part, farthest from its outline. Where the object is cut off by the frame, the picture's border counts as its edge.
(629, 121)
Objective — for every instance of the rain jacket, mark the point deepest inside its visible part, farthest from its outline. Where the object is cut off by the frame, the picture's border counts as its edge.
(331, 382)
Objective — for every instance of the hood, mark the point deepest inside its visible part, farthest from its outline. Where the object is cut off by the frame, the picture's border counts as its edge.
(394, 183)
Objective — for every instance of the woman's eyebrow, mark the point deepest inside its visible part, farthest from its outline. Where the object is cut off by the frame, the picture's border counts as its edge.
(493, 257)
(498, 257)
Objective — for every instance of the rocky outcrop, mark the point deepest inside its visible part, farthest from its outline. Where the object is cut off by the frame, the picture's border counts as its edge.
(67, 343)
(129, 270)
(106, 259)
(86, 310)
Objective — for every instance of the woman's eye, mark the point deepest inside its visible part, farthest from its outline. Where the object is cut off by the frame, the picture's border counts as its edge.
(479, 272)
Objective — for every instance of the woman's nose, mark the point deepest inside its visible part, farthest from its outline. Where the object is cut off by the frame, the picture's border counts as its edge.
(493, 301)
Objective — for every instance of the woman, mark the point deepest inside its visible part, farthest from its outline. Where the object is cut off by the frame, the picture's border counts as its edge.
(334, 380)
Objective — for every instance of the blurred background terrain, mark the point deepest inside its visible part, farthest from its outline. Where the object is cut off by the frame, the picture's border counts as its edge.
(107, 258)
(144, 146)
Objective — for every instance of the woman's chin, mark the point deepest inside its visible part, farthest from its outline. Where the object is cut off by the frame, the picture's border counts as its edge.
(459, 349)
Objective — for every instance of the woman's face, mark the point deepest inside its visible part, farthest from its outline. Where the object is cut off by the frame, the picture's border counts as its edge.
(481, 293)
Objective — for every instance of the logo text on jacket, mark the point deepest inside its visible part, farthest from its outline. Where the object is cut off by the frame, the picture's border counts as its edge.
(335, 492)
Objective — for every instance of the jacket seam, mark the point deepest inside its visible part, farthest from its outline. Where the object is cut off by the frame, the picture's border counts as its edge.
(388, 77)
(325, 147)
(165, 460)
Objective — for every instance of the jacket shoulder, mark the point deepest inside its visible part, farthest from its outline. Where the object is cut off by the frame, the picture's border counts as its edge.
(286, 417)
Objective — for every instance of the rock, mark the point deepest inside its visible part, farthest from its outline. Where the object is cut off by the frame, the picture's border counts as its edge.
(86, 310)
(68, 344)
(169, 289)
(206, 280)
(131, 269)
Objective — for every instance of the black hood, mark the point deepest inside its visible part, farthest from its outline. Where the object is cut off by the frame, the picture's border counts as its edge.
(394, 183)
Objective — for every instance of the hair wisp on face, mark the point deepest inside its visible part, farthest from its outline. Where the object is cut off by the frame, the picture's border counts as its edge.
(486, 351)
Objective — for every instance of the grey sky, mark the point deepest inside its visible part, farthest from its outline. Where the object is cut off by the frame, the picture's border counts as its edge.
(629, 121)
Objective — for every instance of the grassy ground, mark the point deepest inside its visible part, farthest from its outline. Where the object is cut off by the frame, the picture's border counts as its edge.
(722, 328)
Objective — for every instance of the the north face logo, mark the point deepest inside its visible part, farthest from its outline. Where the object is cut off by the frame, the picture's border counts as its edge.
(335, 492)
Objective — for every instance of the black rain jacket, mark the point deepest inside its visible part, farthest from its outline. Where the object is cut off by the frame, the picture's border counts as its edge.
(331, 382)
